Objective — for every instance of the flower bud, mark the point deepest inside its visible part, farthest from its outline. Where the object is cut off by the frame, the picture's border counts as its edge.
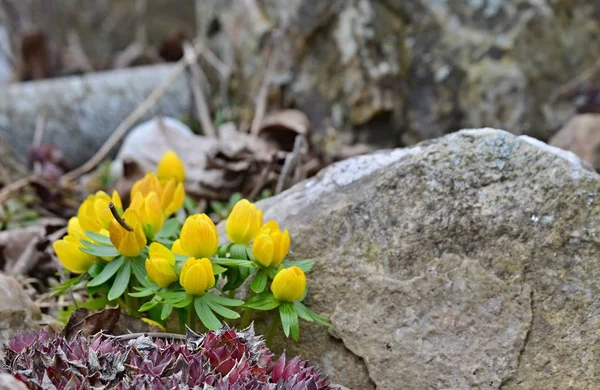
(160, 265)
(128, 243)
(71, 257)
(244, 222)
(289, 284)
(271, 245)
(150, 213)
(173, 195)
(177, 249)
(94, 214)
(171, 167)
(199, 236)
(146, 185)
(197, 276)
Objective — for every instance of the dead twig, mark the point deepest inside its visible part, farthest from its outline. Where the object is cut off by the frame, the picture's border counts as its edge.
(155, 335)
(199, 98)
(291, 160)
(15, 186)
(567, 88)
(136, 115)
(261, 101)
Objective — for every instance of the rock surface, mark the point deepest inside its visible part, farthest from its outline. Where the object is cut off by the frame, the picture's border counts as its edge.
(405, 71)
(466, 262)
(8, 382)
(17, 312)
(581, 135)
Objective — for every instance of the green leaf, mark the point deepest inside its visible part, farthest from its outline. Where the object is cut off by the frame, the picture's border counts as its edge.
(222, 300)
(98, 250)
(138, 266)
(259, 282)
(264, 301)
(141, 294)
(99, 238)
(184, 302)
(205, 314)
(238, 251)
(148, 305)
(67, 284)
(189, 204)
(289, 320)
(223, 250)
(176, 295)
(166, 311)
(94, 304)
(233, 262)
(222, 311)
(304, 312)
(109, 270)
(121, 282)
(96, 268)
(170, 227)
(235, 277)
(304, 265)
(217, 269)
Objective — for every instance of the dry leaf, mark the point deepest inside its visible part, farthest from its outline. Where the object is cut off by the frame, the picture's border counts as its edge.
(282, 127)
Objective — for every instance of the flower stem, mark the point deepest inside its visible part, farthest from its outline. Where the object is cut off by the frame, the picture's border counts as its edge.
(231, 294)
(272, 329)
(247, 317)
(192, 318)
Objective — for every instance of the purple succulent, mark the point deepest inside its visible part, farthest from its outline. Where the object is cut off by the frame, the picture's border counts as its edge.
(225, 359)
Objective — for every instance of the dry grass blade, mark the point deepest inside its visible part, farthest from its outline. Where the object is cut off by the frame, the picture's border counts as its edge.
(201, 105)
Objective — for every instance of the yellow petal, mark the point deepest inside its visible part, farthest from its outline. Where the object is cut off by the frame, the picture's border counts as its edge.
(71, 257)
(158, 250)
(74, 229)
(289, 284)
(262, 250)
(199, 237)
(171, 167)
(116, 199)
(177, 249)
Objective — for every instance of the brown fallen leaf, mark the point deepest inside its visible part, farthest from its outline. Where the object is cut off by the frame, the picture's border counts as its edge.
(282, 127)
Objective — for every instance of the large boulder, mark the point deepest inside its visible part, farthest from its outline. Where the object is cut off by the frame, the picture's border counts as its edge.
(399, 71)
(469, 261)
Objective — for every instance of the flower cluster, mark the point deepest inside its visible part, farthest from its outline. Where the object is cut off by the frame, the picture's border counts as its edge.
(142, 259)
(223, 359)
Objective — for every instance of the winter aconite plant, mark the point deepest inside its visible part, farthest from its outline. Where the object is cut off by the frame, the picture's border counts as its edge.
(144, 260)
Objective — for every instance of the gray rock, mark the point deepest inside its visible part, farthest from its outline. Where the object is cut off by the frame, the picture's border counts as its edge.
(404, 71)
(17, 312)
(467, 262)
(82, 111)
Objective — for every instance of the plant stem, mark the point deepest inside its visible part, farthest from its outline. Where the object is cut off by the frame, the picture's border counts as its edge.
(272, 329)
(247, 317)
(192, 318)
(231, 294)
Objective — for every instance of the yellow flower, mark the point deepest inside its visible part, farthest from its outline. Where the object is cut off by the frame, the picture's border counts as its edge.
(173, 195)
(146, 185)
(94, 214)
(171, 167)
(289, 284)
(150, 213)
(170, 192)
(128, 243)
(199, 236)
(75, 230)
(197, 276)
(160, 265)
(244, 222)
(154, 323)
(177, 249)
(71, 257)
(271, 245)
